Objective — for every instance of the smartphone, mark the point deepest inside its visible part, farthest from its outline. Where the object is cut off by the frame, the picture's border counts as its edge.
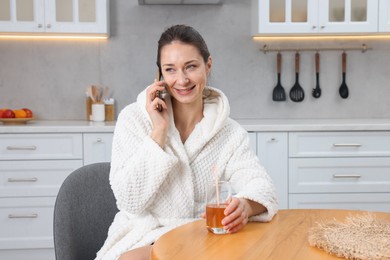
(160, 94)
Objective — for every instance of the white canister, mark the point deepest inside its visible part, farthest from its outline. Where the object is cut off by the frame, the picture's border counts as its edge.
(98, 113)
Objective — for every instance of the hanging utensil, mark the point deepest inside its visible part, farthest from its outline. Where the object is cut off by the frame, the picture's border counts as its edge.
(343, 90)
(278, 93)
(297, 94)
(317, 90)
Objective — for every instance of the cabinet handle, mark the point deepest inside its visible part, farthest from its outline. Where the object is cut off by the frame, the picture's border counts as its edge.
(314, 27)
(273, 140)
(40, 25)
(33, 179)
(48, 26)
(33, 215)
(99, 140)
(322, 26)
(357, 176)
(32, 147)
(347, 145)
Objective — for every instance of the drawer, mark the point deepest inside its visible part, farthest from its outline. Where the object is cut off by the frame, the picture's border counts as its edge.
(40, 146)
(353, 201)
(339, 144)
(34, 178)
(26, 222)
(28, 254)
(329, 175)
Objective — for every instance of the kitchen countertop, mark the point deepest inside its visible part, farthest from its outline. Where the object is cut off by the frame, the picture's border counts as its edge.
(63, 126)
(289, 125)
(261, 125)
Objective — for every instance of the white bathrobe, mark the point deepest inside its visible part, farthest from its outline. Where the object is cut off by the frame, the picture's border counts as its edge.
(158, 189)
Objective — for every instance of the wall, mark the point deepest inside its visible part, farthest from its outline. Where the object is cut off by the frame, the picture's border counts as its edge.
(50, 76)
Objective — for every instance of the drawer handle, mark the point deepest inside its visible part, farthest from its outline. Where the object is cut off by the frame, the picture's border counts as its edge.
(32, 147)
(347, 145)
(33, 215)
(99, 140)
(357, 176)
(33, 179)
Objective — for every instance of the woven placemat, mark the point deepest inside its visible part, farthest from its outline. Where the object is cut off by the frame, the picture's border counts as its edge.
(359, 237)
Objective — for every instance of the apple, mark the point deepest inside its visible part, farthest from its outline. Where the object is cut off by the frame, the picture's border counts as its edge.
(8, 113)
(29, 113)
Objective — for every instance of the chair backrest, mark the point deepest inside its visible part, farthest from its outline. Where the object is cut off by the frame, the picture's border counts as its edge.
(85, 208)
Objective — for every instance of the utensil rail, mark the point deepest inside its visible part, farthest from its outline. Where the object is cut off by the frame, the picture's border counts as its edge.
(363, 48)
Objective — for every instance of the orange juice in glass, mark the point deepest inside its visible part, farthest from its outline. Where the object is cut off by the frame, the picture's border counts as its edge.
(218, 195)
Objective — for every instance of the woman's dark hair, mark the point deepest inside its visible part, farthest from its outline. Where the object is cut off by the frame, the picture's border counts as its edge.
(185, 34)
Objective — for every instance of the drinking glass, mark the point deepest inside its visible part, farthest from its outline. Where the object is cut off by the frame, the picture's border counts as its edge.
(218, 195)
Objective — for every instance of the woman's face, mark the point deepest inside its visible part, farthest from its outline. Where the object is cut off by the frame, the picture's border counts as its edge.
(184, 71)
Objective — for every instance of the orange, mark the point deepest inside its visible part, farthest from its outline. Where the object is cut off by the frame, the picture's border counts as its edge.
(20, 113)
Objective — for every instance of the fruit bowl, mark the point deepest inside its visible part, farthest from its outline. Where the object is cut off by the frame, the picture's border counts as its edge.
(15, 121)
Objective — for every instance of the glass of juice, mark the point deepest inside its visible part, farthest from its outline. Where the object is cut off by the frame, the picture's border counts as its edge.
(218, 195)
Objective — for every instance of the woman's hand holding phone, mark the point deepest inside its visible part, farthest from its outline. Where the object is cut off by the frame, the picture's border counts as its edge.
(160, 120)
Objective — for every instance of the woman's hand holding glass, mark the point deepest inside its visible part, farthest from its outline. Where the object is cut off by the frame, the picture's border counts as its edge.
(236, 215)
(160, 120)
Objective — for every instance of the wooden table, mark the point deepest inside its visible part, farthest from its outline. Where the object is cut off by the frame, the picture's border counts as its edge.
(285, 237)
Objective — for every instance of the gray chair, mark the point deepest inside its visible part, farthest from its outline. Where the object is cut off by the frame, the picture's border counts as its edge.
(85, 208)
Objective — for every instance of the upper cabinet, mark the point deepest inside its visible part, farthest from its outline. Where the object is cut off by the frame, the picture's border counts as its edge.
(384, 16)
(54, 16)
(316, 16)
(179, 2)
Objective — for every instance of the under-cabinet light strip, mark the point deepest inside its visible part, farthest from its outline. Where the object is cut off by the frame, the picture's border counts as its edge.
(362, 48)
(321, 37)
(97, 37)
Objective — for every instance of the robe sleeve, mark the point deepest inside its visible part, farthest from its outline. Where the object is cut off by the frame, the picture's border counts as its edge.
(138, 164)
(250, 179)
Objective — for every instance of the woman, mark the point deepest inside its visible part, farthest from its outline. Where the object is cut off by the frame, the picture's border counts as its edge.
(162, 161)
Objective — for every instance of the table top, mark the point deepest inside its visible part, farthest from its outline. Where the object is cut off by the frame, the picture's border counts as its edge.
(285, 237)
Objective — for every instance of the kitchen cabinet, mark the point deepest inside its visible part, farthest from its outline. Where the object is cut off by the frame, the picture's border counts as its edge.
(179, 2)
(347, 170)
(384, 16)
(54, 16)
(314, 16)
(32, 169)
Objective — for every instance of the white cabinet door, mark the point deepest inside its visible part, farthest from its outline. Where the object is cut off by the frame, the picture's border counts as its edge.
(77, 16)
(97, 147)
(272, 152)
(314, 16)
(284, 16)
(54, 16)
(384, 16)
(348, 16)
(22, 16)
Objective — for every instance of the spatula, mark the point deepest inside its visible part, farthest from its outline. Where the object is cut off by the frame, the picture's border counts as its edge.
(343, 90)
(278, 93)
(297, 93)
(317, 90)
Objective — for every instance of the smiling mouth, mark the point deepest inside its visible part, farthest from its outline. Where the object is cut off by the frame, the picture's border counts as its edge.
(185, 91)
